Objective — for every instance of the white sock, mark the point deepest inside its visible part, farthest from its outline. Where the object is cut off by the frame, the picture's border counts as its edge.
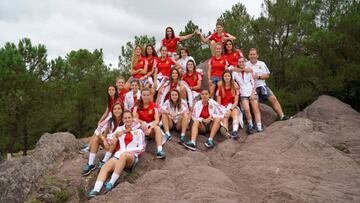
(259, 126)
(182, 134)
(114, 178)
(159, 148)
(235, 125)
(91, 158)
(192, 141)
(107, 157)
(250, 122)
(282, 116)
(98, 186)
(210, 138)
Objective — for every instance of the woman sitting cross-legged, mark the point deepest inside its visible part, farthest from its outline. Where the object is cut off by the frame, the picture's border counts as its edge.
(131, 143)
(206, 115)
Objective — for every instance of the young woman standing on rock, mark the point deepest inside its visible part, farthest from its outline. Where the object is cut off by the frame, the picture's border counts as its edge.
(107, 139)
(228, 97)
(248, 96)
(206, 115)
(175, 114)
(146, 113)
(131, 143)
(139, 66)
(151, 57)
(170, 41)
(217, 66)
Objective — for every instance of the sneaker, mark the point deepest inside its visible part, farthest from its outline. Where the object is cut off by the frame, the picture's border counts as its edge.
(190, 145)
(234, 135)
(101, 164)
(249, 129)
(209, 144)
(182, 139)
(160, 154)
(108, 186)
(284, 118)
(259, 130)
(224, 132)
(87, 169)
(93, 193)
(168, 137)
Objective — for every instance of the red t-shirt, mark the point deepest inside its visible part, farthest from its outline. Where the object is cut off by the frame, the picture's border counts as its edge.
(111, 102)
(218, 38)
(164, 66)
(147, 114)
(233, 57)
(121, 94)
(192, 82)
(140, 64)
(152, 62)
(227, 98)
(170, 44)
(205, 112)
(217, 66)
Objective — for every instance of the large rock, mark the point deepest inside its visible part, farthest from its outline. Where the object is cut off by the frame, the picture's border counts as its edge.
(19, 176)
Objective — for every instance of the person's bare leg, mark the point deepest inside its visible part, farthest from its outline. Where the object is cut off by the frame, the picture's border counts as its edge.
(276, 105)
(212, 47)
(215, 127)
(167, 123)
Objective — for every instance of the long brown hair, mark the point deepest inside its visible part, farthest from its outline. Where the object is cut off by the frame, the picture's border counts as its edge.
(232, 44)
(135, 58)
(112, 119)
(194, 71)
(232, 83)
(153, 49)
(171, 79)
(172, 33)
(140, 101)
(177, 104)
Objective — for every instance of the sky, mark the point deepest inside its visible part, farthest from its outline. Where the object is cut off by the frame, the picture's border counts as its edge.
(66, 25)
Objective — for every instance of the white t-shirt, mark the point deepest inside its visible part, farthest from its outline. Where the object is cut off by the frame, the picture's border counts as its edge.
(259, 68)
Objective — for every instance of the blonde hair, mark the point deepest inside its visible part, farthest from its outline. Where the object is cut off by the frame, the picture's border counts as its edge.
(135, 58)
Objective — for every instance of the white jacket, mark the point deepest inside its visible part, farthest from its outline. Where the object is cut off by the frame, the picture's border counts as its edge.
(129, 99)
(215, 110)
(136, 145)
(166, 108)
(246, 82)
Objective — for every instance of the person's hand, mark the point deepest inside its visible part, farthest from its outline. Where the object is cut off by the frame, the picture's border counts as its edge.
(173, 114)
(143, 125)
(148, 131)
(119, 133)
(197, 31)
(207, 120)
(227, 115)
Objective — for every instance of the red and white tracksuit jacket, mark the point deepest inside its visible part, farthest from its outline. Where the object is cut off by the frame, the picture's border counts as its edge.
(215, 110)
(132, 142)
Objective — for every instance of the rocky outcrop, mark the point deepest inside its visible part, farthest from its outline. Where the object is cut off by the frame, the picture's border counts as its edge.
(298, 160)
(19, 176)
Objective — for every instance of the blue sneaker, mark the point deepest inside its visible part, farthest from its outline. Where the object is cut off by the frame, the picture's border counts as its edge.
(101, 164)
(93, 193)
(250, 129)
(234, 135)
(168, 137)
(190, 145)
(182, 139)
(87, 169)
(209, 144)
(108, 186)
(160, 154)
(84, 149)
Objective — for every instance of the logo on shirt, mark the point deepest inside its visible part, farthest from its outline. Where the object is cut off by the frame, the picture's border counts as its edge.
(167, 62)
(150, 111)
(221, 61)
(141, 62)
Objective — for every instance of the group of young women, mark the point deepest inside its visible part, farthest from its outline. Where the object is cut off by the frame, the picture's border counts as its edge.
(164, 94)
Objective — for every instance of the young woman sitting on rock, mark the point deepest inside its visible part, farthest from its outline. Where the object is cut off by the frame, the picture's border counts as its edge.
(132, 96)
(131, 143)
(206, 115)
(146, 113)
(228, 97)
(248, 96)
(106, 139)
(175, 114)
